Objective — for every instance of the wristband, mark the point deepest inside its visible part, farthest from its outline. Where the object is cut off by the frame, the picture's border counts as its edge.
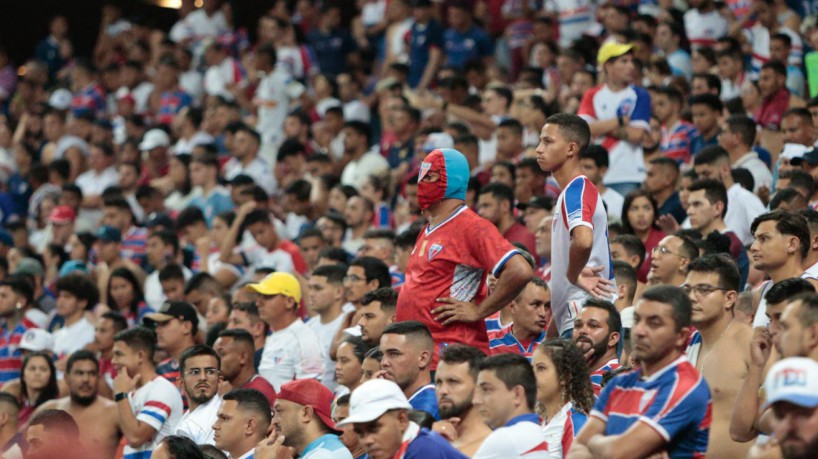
(121, 396)
(620, 120)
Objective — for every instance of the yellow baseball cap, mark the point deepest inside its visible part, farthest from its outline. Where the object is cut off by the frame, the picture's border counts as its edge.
(279, 284)
(611, 50)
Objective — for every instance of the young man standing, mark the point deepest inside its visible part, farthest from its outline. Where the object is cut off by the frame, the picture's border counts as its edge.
(720, 347)
(676, 132)
(619, 117)
(675, 417)
(581, 262)
(325, 300)
(149, 405)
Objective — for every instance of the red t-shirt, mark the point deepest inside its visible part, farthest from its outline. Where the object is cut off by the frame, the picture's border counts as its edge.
(519, 233)
(298, 260)
(262, 385)
(772, 109)
(452, 259)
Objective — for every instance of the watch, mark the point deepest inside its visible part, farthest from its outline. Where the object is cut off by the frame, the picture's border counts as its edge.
(121, 396)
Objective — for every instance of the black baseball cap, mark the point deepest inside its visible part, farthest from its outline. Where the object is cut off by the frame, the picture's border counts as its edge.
(810, 157)
(173, 310)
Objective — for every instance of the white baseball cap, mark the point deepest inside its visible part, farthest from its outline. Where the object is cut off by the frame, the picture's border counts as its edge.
(794, 150)
(154, 138)
(793, 380)
(60, 99)
(438, 140)
(374, 398)
(37, 339)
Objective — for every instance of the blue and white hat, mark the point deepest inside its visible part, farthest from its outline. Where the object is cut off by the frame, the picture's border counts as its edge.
(793, 380)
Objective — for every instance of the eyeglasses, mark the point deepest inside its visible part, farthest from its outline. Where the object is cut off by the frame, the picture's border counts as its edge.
(209, 372)
(701, 289)
(352, 278)
(665, 251)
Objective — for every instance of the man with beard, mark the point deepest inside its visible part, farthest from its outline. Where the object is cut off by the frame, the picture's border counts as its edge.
(200, 375)
(455, 383)
(96, 416)
(792, 390)
(597, 332)
(530, 312)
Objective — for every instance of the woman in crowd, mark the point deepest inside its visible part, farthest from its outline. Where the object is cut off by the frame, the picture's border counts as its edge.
(182, 190)
(564, 392)
(349, 362)
(639, 217)
(37, 385)
(124, 294)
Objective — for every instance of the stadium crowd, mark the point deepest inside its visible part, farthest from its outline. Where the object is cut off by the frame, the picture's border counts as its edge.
(420, 229)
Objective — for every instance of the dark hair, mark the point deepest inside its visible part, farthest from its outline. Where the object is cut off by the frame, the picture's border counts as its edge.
(58, 420)
(572, 372)
(714, 191)
(786, 223)
(597, 153)
(713, 81)
(614, 319)
(336, 254)
(461, 353)
(787, 196)
(360, 128)
(776, 66)
(190, 216)
(252, 400)
(171, 272)
(808, 313)
(195, 351)
(500, 192)
(407, 238)
(82, 354)
(572, 127)
(787, 289)
(130, 277)
(743, 127)
(625, 274)
(182, 448)
(676, 298)
(80, 287)
(800, 112)
(119, 321)
(633, 245)
(167, 237)
(51, 389)
(300, 188)
(21, 285)
(239, 335)
(139, 338)
(387, 296)
(799, 179)
(5, 397)
(334, 273)
(638, 193)
(410, 328)
(507, 165)
(359, 347)
(374, 269)
(343, 400)
(712, 101)
(203, 282)
(688, 247)
(721, 264)
(513, 125)
(513, 370)
(711, 155)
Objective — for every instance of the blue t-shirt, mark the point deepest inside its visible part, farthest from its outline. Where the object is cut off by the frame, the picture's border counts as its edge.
(474, 44)
(430, 445)
(326, 446)
(422, 38)
(219, 201)
(331, 50)
(424, 399)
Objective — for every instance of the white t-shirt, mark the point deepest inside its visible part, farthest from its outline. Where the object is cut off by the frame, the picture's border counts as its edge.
(197, 425)
(292, 353)
(326, 332)
(257, 169)
(358, 171)
(579, 204)
(556, 430)
(703, 29)
(355, 110)
(274, 96)
(158, 404)
(200, 25)
(760, 172)
(154, 295)
(742, 208)
(74, 337)
(575, 17)
(614, 201)
(185, 146)
(523, 440)
(218, 77)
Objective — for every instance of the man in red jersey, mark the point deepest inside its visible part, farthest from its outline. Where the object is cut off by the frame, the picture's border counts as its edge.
(445, 285)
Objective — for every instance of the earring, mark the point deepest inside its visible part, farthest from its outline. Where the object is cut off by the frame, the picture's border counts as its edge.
(18, 306)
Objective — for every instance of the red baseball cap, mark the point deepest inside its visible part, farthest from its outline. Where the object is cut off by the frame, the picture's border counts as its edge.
(62, 215)
(309, 392)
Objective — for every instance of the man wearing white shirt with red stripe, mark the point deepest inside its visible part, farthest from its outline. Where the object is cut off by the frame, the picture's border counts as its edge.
(581, 265)
(703, 24)
(149, 405)
(618, 114)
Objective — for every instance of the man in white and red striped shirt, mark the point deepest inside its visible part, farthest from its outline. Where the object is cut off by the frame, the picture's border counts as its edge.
(703, 24)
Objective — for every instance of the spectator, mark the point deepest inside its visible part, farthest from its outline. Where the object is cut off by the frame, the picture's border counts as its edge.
(325, 299)
(53, 433)
(243, 421)
(663, 174)
(75, 295)
(235, 349)
(670, 259)
(676, 132)
(791, 408)
(706, 109)
(598, 329)
(377, 312)
(199, 377)
(530, 314)
(425, 46)
(176, 325)
(407, 349)
(16, 298)
(594, 163)
(737, 136)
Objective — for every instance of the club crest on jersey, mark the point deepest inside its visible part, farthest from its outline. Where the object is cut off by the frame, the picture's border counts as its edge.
(434, 250)
(424, 169)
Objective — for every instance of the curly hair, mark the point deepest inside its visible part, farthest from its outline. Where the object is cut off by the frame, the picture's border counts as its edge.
(572, 370)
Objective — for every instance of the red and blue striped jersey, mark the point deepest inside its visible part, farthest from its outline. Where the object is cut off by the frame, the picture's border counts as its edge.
(11, 357)
(676, 140)
(596, 376)
(675, 402)
(504, 342)
(90, 100)
(170, 104)
(133, 245)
